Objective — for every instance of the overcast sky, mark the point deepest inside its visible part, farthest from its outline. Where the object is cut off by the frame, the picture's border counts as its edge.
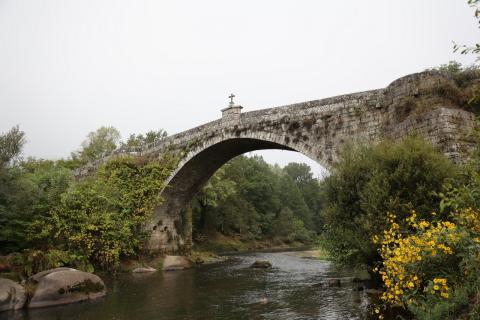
(68, 67)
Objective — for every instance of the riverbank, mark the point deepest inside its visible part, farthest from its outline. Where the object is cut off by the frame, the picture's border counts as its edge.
(226, 245)
(212, 250)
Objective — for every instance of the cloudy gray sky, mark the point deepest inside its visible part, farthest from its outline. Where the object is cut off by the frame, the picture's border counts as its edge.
(68, 67)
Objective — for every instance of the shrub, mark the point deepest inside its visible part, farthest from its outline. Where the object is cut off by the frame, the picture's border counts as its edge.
(432, 268)
(33, 261)
(369, 181)
(102, 217)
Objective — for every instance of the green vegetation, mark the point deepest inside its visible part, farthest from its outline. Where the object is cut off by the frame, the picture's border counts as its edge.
(369, 181)
(99, 143)
(253, 203)
(49, 220)
(102, 216)
(411, 216)
(429, 264)
(140, 140)
(465, 90)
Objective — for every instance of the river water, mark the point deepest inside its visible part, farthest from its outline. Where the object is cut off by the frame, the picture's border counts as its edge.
(225, 290)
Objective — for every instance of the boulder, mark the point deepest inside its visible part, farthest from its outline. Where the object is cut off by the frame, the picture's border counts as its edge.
(12, 295)
(62, 286)
(172, 263)
(262, 264)
(144, 270)
(37, 276)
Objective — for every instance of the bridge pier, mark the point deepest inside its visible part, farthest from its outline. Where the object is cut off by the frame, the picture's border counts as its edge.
(172, 232)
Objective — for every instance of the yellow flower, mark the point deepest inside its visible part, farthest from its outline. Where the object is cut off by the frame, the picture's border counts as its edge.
(404, 250)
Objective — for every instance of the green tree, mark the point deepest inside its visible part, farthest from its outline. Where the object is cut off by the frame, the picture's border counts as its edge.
(370, 181)
(27, 194)
(98, 144)
(251, 199)
(140, 140)
(288, 227)
(291, 197)
(311, 192)
(16, 196)
(206, 203)
(11, 144)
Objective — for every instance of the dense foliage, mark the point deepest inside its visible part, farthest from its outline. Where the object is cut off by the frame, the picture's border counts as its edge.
(368, 182)
(413, 217)
(50, 220)
(98, 144)
(141, 140)
(432, 267)
(253, 200)
(11, 145)
(102, 216)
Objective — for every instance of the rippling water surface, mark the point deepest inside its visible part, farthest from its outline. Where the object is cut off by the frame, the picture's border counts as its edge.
(226, 290)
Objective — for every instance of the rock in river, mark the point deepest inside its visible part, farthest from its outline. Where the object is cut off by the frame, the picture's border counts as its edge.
(172, 263)
(263, 264)
(144, 270)
(62, 286)
(12, 295)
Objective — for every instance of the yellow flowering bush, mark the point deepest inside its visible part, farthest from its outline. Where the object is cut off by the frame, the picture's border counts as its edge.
(423, 260)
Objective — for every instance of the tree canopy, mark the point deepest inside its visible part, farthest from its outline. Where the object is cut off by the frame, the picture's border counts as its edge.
(98, 144)
(251, 199)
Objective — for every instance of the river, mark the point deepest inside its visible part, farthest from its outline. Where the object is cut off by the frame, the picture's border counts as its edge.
(225, 290)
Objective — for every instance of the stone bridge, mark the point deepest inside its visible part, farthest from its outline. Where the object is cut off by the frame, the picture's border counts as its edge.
(416, 104)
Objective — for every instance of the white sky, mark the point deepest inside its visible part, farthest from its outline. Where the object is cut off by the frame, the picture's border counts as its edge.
(68, 67)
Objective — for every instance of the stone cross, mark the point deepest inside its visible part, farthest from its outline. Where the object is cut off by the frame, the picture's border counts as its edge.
(231, 96)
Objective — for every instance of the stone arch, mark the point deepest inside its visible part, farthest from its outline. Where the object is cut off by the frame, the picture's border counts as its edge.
(171, 223)
(415, 103)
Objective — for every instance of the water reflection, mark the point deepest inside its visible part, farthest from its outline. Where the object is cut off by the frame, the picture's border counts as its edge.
(228, 290)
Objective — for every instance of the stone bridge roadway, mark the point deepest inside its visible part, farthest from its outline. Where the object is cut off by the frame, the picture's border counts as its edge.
(415, 104)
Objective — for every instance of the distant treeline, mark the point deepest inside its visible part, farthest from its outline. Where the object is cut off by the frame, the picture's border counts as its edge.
(253, 200)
